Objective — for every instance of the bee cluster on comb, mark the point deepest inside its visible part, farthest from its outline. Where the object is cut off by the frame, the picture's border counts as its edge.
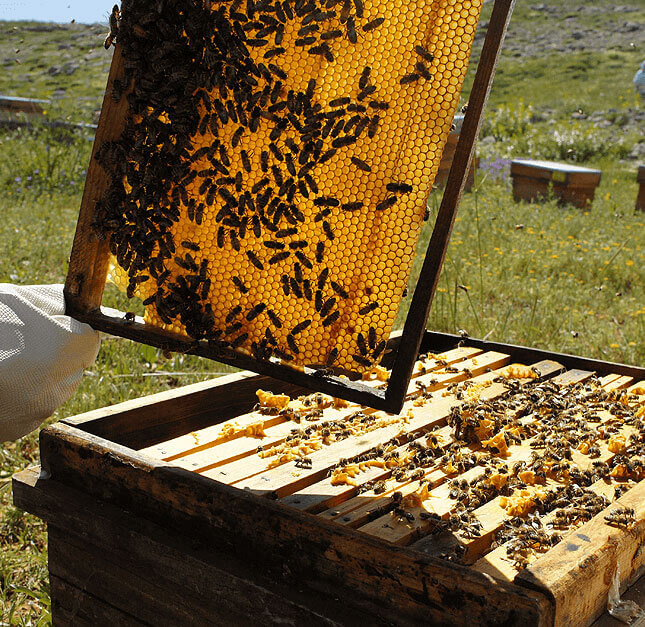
(269, 187)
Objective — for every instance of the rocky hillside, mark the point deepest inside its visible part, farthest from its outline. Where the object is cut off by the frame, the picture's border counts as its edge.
(568, 58)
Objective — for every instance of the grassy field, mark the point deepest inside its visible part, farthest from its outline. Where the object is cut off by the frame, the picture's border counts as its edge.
(537, 274)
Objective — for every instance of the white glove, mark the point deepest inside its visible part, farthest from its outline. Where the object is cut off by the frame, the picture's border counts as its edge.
(42, 355)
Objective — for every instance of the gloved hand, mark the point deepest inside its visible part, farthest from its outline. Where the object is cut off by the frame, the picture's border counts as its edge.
(42, 355)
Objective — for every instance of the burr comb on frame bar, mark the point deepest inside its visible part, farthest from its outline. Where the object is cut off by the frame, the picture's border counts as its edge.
(222, 189)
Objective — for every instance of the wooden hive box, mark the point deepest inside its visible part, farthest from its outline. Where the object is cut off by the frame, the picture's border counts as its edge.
(640, 179)
(143, 528)
(13, 104)
(570, 183)
(448, 155)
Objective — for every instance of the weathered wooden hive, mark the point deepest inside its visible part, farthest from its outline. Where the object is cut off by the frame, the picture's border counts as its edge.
(640, 198)
(448, 155)
(573, 184)
(507, 490)
(503, 494)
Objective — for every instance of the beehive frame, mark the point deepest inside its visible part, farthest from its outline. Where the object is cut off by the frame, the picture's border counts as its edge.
(89, 262)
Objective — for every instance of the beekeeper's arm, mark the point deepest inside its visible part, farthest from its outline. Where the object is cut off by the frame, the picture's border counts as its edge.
(42, 355)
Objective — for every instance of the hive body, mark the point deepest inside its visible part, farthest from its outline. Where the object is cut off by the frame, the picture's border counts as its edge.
(270, 185)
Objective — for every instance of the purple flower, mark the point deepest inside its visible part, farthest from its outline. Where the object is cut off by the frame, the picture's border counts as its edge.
(496, 168)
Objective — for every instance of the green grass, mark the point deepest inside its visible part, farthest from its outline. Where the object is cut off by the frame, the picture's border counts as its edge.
(595, 74)
(536, 274)
(66, 63)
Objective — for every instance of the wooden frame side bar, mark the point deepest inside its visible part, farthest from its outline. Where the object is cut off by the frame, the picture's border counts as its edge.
(424, 292)
(90, 256)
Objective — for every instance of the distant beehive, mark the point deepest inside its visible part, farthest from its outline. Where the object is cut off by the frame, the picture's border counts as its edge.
(448, 155)
(270, 185)
(572, 184)
(640, 179)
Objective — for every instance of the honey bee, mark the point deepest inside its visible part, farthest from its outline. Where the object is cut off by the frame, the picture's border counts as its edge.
(423, 70)
(233, 314)
(399, 188)
(421, 51)
(239, 340)
(373, 126)
(373, 24)
(300, 327)
(293, 345)
(329, 320)
(253, 258)
(361, 165)
(256, 311)
(331, 358)
(412, 77)
(368, 308)
(359, 359)
(114, 21)
(327, 307)
(240, 284)
(365, 92)
(327, 155)
(279, 257)
(351, 30)
(386, 204)
(621, 517)
(328, 230)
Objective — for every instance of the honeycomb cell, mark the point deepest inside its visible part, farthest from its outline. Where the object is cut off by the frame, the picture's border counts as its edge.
(270, 185)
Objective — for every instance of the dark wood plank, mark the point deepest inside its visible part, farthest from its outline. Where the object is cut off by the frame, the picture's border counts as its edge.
(72, 606)
(182, 565)
(122, 584)
(297, 547)
(417, 317)
(187, 564)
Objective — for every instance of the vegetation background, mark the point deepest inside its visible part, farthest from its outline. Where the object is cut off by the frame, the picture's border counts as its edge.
(535, 274)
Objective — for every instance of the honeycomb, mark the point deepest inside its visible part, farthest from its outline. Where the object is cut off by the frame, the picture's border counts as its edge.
(270, 184)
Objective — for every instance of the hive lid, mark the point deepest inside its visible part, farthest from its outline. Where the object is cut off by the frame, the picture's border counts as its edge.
(260, 174)
(554, 171)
